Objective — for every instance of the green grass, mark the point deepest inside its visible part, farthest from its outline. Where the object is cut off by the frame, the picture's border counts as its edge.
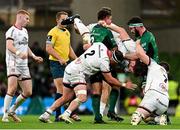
(32, 122)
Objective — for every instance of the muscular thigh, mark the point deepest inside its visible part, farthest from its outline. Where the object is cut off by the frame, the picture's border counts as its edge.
(59, 84)
(12, 85)
(26, 86)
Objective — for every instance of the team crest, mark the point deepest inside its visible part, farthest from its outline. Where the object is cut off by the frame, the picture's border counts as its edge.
(163, 87)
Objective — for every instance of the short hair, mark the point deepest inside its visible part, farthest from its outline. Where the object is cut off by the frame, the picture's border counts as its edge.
(22, 11)
(165, 65)
(135, 20)
(103, 13)
(58, 14)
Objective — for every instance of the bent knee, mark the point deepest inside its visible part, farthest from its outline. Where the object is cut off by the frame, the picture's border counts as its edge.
(27, 94)
(83, 99)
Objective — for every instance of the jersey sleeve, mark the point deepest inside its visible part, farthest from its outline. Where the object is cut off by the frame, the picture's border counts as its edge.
(10, 34)
(51, 37)
(112, 40)
(145, 40)
(104, 65)
(90, 26)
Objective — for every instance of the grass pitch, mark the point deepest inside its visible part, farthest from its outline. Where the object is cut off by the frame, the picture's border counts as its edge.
(32, 122)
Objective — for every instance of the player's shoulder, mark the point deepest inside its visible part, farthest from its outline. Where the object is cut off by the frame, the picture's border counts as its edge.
(91, 25)
(148, 34)
(11, 28)
(11, 31)
(25, 30)
(52, 31)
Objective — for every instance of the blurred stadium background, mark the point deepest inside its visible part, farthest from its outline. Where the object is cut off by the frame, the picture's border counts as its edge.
(160, 16)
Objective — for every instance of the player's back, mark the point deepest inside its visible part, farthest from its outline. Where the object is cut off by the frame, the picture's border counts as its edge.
(148, 42)
(93, 60)
(157, 78)
(103, 35)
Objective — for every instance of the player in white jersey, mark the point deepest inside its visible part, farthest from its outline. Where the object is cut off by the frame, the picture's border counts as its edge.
(96, 58)
(17, 52)
(156, 98)
(126, 46)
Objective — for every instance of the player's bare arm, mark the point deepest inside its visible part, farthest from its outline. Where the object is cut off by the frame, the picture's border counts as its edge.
(141, 53)
(38, 59)
(72, 55)
(112, 81)
(51, 51)
(10, 47)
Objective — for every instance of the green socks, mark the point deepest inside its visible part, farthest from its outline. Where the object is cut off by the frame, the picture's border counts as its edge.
(112, 99)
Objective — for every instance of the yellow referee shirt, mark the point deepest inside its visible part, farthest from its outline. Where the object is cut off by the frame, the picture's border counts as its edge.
(60, 40)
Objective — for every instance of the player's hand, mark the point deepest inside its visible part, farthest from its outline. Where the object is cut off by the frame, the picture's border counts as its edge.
(62, 62)
(38, 59)
(130, 85)
(23, 55)
(103, 23)
(86, 46)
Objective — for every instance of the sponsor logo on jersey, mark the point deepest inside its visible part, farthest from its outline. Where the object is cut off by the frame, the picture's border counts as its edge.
(24, 41)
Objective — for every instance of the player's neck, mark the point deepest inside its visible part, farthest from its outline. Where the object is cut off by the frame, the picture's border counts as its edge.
(141, 32)
(18, 26)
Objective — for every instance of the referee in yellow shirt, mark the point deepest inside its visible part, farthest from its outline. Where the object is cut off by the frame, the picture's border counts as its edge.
(60, 53)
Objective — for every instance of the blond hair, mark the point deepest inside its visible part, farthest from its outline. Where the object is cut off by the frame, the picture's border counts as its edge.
(22, 11)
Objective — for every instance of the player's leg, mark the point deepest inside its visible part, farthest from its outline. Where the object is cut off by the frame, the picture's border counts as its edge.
(139, 115)
(12, 86)
(68, 94)
(26, 86)
(146, 108)
(81, 96)
(113, 97)
(114, 94)
(106, 88)
(57, 71)
(59, 90)
(161, 108)
(96, 85)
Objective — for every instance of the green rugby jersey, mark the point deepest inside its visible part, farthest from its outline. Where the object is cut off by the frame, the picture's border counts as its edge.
(148, 43)
(104, 35)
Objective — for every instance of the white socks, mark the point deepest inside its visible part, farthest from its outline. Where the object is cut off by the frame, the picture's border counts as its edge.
(102, 108)
(7, 103)
(49, 111)
(80, 26)
(68, 113)
(19, 100)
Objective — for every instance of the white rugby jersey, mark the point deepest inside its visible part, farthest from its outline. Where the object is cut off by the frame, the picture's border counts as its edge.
(157, 79)
(20, 38)
(93, 60)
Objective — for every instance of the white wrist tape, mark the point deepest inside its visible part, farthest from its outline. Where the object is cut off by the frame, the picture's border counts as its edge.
(18, 52)
(124, 84)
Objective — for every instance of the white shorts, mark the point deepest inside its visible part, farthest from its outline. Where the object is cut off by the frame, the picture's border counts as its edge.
(128, 46)
(72, 79)
(22, 72)
(155, 102)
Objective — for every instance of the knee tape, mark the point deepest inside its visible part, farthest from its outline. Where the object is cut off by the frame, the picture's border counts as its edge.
(84, 92)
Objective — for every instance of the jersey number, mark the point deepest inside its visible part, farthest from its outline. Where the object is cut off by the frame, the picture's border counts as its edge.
(90, 53)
